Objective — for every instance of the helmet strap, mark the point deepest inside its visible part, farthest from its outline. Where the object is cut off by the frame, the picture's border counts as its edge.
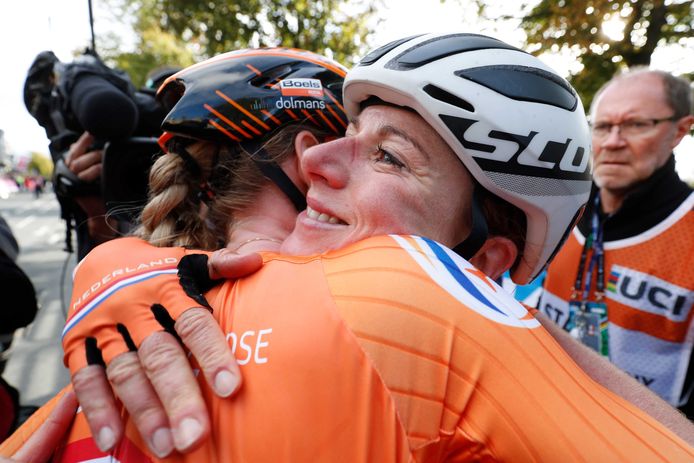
(273, 172)
(204, 193)
(178, 147)
(479, 231)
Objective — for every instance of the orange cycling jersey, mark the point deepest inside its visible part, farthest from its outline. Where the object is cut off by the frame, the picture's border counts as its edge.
(393, 349)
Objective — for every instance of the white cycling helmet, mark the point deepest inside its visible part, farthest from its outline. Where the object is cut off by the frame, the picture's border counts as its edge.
(517, 126)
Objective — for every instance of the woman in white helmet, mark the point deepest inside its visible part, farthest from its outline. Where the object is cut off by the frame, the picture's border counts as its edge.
(394, 348)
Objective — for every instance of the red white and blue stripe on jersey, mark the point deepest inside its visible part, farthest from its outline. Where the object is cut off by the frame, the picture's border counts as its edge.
(466, 283)
(107, 291)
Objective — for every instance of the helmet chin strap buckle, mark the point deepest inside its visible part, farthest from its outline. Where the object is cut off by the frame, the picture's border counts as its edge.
(479, 230)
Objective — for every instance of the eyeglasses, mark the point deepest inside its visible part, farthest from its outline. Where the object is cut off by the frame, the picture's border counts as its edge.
(629, 128)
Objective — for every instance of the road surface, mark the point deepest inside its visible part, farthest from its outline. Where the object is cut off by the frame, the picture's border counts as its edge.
(34, 363)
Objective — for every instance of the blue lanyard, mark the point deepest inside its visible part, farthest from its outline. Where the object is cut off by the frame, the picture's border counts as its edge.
(593, 242)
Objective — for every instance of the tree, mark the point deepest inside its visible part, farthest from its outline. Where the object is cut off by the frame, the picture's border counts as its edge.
(154, 47)
(155, 50)
(582, 27)
(181, 31)
(41, 164)
(333, 27)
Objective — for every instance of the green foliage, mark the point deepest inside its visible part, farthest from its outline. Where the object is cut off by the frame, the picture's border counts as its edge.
(596, 71)
(553, 25)
(41, 164)
(180, 32)
(154, 48)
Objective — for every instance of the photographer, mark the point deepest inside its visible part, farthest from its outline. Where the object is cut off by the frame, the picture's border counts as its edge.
(86, 164)
(102, 140)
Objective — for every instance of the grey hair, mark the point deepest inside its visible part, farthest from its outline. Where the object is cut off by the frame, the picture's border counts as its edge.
(678, 90)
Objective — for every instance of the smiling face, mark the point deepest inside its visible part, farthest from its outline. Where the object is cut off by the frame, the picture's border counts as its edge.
(622, 162)
(392, 173)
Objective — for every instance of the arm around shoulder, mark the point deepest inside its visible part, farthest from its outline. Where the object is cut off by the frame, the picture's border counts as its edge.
(615, 380)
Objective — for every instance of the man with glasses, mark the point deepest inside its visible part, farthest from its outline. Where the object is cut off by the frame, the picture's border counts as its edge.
(624, 282)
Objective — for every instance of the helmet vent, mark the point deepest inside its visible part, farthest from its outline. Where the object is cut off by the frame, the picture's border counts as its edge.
(335, 87)
(442, 47)
(170, 93)
(524, 83)
(375, 55)
(442, 95)
(271, 76)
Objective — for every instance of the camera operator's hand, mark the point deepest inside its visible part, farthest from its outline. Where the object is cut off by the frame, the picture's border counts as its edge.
(86, 163)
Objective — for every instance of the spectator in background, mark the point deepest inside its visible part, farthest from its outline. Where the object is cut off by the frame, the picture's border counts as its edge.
(19, 309)
(87, 164)
(624, 281)
(30, 183)
(39, 183)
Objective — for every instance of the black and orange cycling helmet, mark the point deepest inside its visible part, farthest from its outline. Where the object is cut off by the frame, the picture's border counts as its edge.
(244, 95)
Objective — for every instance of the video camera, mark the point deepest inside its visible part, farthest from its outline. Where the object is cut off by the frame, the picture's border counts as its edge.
(86, 95)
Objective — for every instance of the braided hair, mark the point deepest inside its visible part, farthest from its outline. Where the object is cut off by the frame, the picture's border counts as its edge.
(198, 188)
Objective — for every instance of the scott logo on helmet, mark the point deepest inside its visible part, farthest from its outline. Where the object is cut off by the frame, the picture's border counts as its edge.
(301, 87)
(557, 159)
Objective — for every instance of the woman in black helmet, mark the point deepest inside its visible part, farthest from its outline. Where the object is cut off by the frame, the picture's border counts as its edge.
(233, 120)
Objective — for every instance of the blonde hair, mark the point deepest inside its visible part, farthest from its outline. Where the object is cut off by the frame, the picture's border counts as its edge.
(226, 180)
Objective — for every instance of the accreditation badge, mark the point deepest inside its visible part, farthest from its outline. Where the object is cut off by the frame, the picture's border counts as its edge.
(588, 324)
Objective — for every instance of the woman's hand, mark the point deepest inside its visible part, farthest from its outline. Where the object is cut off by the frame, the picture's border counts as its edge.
(41, 445)
(134, 325)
